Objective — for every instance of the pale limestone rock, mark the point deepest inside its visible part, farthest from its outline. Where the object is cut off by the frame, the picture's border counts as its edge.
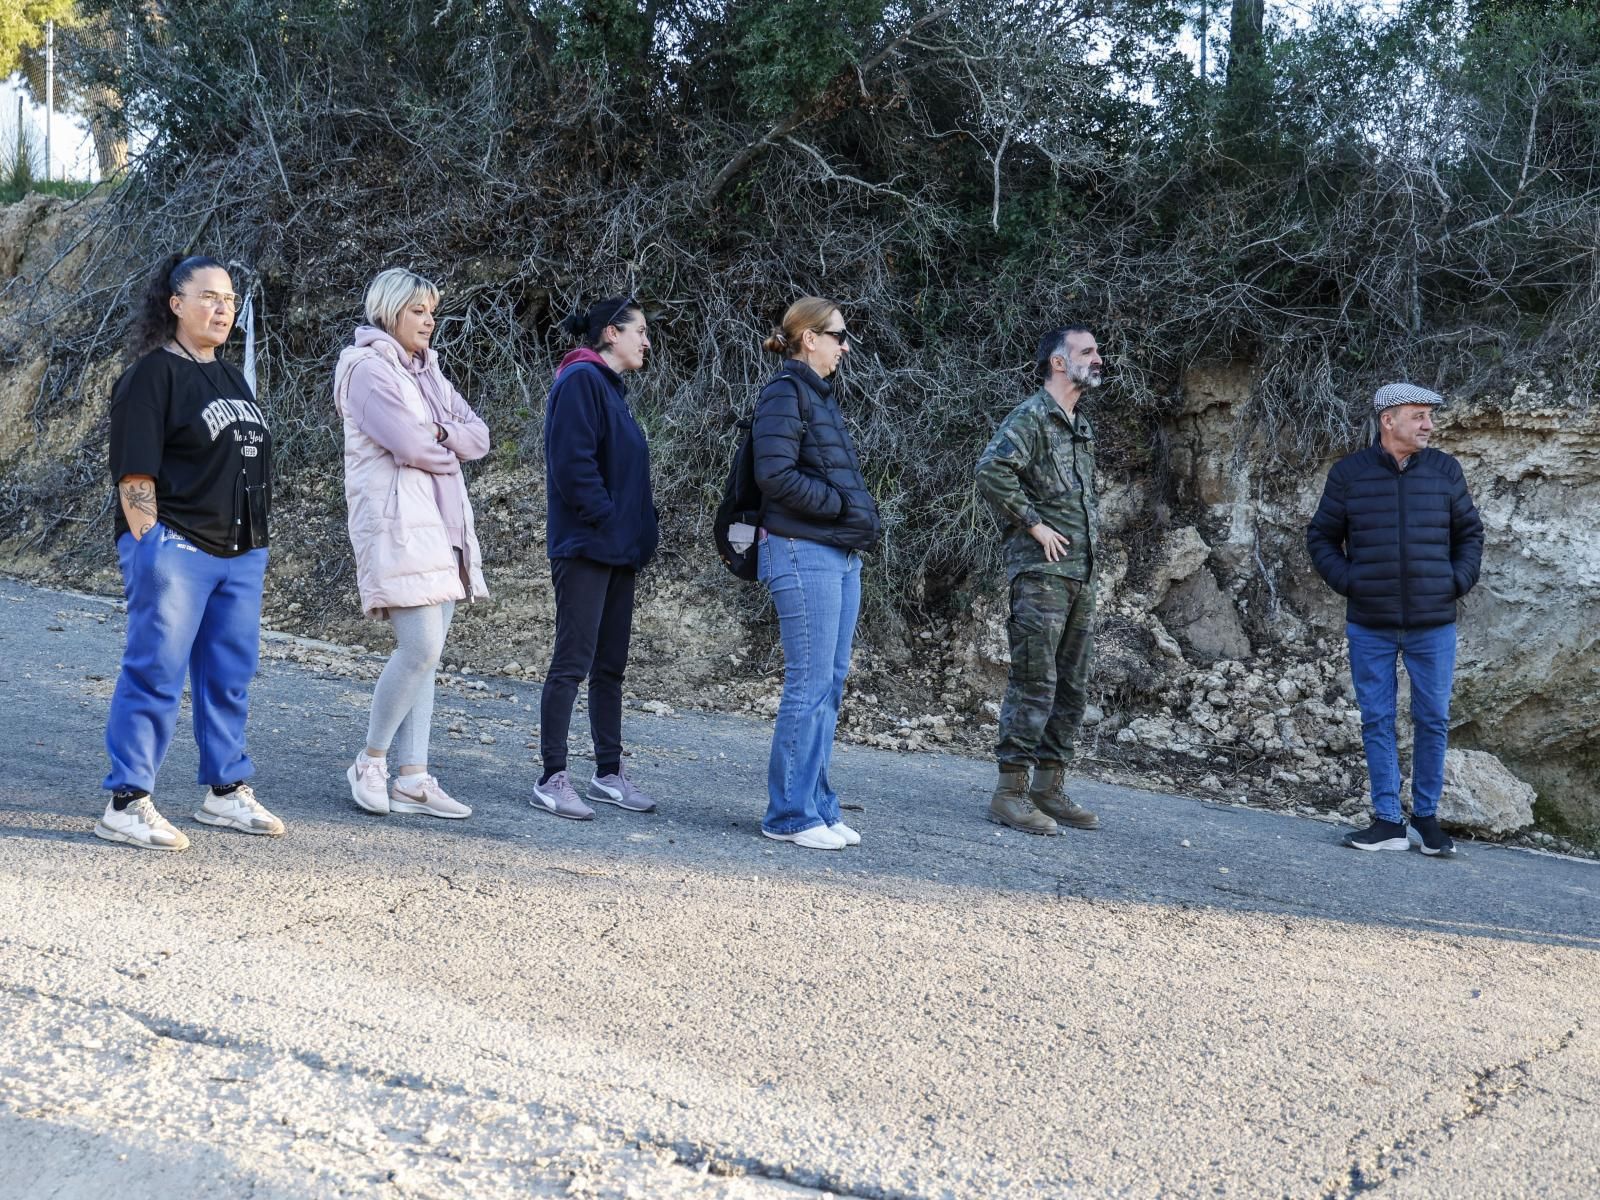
(1155, 732)
(1164, 641)
(1203, 618)
(1481, 796)
(1183, 552)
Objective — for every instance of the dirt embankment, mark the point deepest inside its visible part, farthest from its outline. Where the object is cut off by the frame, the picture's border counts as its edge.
(1220, 664)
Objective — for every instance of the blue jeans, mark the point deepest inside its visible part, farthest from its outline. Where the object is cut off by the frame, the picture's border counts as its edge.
(1430, 656)
(188, 612)
(817, 592)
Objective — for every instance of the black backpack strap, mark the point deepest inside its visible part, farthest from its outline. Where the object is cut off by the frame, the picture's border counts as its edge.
(750, 422)
(799, 394)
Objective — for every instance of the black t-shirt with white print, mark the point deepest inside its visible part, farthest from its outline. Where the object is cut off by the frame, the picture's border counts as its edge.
(195, 428)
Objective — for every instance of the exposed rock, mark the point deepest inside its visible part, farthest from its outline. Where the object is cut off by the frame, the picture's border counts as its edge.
(1204, 619)
(1481, 796)
(1157, 733)
(1165, 642)
(1528, 668)
(1183, 552)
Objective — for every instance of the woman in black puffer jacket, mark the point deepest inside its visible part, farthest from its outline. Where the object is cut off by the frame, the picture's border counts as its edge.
(817, 520)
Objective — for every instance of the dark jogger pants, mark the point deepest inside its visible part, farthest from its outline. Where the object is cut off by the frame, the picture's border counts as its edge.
(594, 620)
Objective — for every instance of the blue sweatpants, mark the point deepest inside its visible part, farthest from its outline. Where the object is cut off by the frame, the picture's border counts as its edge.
(187, 611)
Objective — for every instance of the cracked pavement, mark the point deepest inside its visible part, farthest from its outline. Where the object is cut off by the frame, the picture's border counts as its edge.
(670, 1005)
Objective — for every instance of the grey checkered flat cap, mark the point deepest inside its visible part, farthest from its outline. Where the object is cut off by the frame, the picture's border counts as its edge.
(1391, 394)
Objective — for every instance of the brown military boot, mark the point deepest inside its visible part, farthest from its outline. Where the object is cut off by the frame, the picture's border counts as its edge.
(1010, 805)
(1049, 795)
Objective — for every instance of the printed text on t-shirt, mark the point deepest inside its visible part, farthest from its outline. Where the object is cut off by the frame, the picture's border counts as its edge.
(224, 411)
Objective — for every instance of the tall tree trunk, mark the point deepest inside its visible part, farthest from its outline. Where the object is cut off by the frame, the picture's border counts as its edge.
(104, 109)
(1245, 35)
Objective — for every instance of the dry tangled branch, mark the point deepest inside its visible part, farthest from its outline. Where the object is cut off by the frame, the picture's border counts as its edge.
(973, 179)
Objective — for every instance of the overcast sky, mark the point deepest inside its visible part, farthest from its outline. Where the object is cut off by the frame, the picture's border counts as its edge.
(71, 150)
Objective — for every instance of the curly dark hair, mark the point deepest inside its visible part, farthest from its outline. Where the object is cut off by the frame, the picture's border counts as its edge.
(154, 322)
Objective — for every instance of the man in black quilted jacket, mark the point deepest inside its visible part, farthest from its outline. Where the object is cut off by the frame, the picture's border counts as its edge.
(1397, 535)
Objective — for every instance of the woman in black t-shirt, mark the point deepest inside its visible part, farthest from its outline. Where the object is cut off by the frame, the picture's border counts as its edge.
(191, 459)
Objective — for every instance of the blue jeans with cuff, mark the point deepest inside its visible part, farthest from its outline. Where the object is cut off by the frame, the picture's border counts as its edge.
(1430, 658)
(817, 591)
(194, 613)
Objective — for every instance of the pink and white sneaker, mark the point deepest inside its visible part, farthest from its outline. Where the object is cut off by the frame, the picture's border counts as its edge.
(422, 794)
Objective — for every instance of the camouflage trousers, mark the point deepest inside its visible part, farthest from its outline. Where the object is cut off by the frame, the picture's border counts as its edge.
(1051, 632)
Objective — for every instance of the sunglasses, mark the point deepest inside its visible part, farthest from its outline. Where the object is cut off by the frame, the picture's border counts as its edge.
(842, 336)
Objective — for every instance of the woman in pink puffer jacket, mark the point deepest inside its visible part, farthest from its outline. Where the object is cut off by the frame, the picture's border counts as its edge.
(406, 433)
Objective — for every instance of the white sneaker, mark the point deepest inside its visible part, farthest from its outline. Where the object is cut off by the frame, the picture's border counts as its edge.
(818, 837)
(422, 794)
(850, 836)
(369, 783)
(139, 825)
(239, 810)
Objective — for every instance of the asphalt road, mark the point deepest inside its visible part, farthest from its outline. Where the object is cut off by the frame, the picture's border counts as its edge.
(1195, 1000)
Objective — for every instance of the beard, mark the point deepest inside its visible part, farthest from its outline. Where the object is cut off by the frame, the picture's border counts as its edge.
(1085, 377)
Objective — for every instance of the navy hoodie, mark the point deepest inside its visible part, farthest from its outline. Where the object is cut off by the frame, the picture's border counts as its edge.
(598, 503)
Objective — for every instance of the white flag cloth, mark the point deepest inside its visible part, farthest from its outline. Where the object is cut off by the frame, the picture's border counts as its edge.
(247, 317)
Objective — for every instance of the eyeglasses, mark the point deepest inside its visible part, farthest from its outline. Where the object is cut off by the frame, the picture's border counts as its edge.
(842, 336)
(228, 300)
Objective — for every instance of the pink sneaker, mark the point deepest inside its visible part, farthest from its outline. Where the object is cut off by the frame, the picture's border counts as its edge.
(422, 794)
(369, 783)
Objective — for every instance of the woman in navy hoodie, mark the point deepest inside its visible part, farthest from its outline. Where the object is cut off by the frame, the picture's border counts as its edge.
(600, 530)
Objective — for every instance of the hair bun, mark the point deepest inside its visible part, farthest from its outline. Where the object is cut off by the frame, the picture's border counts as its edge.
(778, 343)
(576, 324)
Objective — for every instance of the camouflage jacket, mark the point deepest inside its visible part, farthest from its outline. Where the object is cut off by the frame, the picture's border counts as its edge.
(1039, 466)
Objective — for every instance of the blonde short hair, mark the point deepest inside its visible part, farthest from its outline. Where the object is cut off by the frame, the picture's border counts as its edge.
(392, 292)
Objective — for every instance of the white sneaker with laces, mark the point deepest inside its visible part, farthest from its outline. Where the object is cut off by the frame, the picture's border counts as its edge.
(422, 794)
(369, 783)
(850, 836)
(139, 825)
(239, 810)
(818, 837)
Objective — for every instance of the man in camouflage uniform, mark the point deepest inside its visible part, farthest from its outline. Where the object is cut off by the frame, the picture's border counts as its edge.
(1038, 473)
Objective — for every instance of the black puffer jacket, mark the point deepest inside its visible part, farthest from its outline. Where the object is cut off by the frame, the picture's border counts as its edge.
(806, 465)
(1401, 546)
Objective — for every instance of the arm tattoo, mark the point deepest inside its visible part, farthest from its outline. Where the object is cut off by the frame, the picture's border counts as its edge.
(140, 496)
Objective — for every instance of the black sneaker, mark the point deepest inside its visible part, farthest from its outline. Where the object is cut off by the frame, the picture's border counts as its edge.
(1435, 841)
(1380, 835)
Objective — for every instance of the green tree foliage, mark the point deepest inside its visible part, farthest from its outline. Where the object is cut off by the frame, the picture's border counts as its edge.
(789, 53)
(22, 25)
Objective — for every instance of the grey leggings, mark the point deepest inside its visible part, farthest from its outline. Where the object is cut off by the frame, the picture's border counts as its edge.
(402, 703)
